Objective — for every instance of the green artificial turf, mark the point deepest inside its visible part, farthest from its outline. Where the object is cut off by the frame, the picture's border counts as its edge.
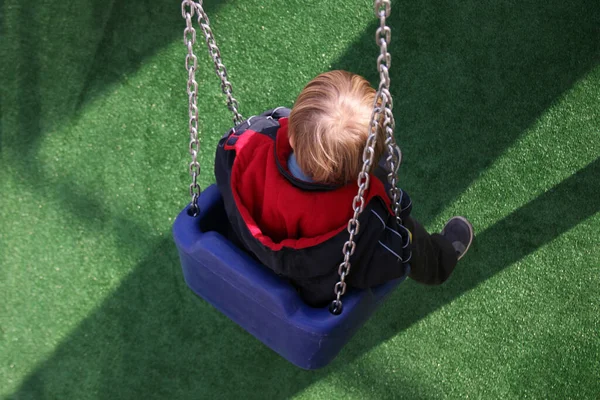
(497, 106)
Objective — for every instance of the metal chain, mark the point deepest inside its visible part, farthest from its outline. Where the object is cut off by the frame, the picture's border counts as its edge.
(220, 70)
(383, 37)
(188, 9)
(191, 63)
(393, 161)
(382, 106)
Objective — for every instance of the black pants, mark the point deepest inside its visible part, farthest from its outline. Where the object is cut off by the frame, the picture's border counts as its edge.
(433, 257)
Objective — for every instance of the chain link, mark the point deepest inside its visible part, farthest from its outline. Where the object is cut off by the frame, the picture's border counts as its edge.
(189, 8)
(393, 161)
(382, 107)
(220, 70)
(383, 38)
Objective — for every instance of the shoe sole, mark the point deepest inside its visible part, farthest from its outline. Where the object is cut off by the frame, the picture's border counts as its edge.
(471, 233)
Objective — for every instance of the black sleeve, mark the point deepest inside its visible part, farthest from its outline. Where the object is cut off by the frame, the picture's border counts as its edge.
(384, 252)
(381, 172)
(265, 123)
(276, 113)
(405, 205)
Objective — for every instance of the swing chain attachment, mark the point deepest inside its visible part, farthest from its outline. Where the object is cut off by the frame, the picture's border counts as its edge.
(382, 117)
(188, 9)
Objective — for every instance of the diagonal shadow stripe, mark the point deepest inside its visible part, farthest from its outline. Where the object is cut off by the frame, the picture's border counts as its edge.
(469, 79)
(61, 56)
(159, 329)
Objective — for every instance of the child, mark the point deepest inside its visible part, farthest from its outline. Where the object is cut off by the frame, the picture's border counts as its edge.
(288, 180)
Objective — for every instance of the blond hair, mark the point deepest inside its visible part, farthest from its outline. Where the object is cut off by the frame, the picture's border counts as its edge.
(329, 126)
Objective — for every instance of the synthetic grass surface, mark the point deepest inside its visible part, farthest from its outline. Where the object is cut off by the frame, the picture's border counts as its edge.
(498, 113)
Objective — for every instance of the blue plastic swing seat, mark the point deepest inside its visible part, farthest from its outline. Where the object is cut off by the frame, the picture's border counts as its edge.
(257, 299)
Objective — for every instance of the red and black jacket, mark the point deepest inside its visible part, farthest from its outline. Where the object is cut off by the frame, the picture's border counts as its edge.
(298, 228)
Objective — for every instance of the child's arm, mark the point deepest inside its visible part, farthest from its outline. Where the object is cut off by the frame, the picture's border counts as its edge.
(276, 113)
(389, 254)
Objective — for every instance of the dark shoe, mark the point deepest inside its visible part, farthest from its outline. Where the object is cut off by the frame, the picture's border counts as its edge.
(459, 232)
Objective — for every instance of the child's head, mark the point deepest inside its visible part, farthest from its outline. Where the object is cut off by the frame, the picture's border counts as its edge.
(329, 126)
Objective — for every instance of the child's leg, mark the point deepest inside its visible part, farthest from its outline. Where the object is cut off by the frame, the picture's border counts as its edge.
(433, 256)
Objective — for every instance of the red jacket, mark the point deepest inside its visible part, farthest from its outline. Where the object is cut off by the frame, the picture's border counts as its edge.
(298, 228)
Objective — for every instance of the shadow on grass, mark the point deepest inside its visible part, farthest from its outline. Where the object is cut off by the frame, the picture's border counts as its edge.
(154, 339)
(58, 56)
(470, 77)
